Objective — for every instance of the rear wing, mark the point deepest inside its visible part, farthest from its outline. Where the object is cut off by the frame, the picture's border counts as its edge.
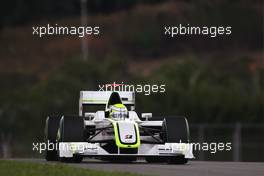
(101, 98)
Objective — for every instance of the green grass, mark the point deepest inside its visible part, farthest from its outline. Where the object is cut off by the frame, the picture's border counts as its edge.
(21, 168)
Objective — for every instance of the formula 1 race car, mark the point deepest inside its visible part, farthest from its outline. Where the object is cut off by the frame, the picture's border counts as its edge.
(108, 128)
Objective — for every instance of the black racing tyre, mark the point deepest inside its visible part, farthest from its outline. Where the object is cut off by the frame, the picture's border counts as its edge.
(176, 130)
(51, 130)
(72, 129)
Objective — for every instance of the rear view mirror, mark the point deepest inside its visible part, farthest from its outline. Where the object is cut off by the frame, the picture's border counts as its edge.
(89, 116)
(146, 116)
(107, 113)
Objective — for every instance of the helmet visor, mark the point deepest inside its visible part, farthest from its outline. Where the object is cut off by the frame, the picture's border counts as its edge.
(119, 115)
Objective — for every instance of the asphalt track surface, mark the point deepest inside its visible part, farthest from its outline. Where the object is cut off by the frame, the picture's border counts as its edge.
(193, 168)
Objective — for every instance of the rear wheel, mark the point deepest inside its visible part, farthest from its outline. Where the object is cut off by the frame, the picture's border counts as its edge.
(71, 130)
(51, 129)
(176, 130)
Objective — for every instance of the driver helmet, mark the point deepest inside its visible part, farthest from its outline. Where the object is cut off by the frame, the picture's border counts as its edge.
(118, 111)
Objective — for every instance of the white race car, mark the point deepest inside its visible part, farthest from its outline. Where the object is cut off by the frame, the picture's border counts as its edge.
(108, 128)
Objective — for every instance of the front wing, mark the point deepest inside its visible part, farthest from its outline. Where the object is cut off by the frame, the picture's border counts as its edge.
(68, 149)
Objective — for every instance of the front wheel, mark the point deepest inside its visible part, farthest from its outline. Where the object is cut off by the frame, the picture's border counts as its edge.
(51, 129)
(175, 130)
(71, 130)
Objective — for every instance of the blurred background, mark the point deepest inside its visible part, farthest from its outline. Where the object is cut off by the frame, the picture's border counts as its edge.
(217, 83)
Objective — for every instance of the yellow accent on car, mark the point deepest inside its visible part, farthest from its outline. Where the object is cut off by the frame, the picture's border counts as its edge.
(118, 107)
(117, 140)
